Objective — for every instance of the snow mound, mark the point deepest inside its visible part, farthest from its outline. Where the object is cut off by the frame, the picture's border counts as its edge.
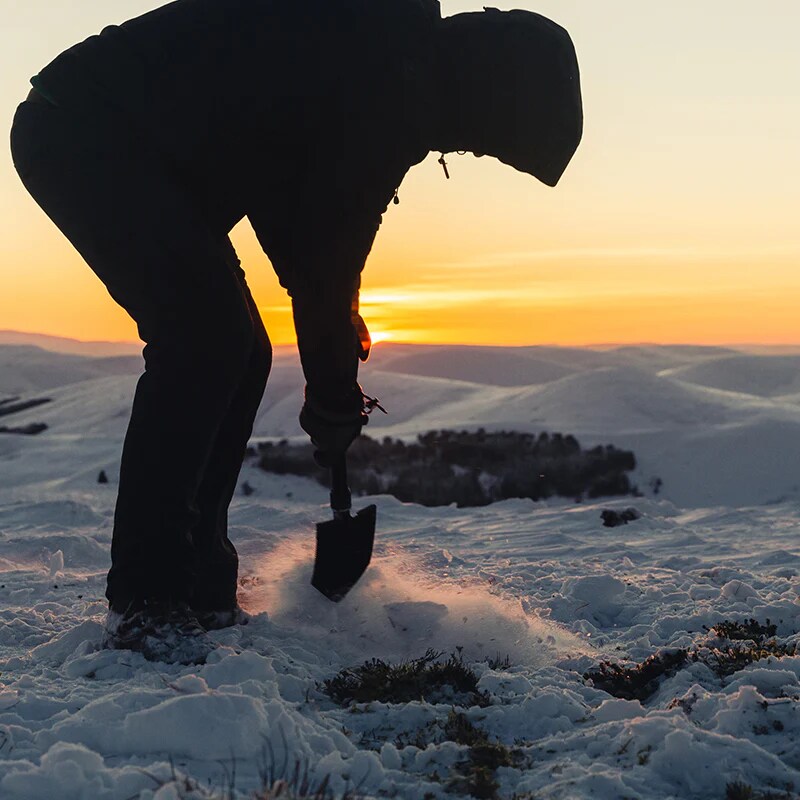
(73, 772)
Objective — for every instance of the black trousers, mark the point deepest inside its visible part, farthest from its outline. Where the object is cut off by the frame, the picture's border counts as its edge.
(207, 356)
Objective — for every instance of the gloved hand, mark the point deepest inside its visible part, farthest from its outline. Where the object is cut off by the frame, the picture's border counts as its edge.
(334, 426)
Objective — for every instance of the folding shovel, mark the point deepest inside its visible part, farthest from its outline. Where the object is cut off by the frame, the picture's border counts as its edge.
(344, 544)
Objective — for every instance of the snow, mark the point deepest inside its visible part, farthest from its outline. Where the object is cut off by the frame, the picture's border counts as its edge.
(765, 376)
(26, 369)
(543, 586)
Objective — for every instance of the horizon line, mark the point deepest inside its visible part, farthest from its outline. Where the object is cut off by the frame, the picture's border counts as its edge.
(385, 343)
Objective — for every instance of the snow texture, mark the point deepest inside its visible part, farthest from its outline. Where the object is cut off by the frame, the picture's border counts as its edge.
(543, 584)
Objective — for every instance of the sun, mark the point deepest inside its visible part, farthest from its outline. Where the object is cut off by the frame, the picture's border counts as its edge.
(380, 336)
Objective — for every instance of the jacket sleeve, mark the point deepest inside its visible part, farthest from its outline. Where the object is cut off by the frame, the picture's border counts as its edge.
(345, 150)
(318, 259)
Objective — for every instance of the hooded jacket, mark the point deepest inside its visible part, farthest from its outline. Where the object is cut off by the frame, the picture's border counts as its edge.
(303, 115)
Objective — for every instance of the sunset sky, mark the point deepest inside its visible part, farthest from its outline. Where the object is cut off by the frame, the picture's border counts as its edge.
(675, 222)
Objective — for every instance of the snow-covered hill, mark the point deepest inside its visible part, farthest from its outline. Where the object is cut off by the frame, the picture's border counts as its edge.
(58, 344)
(685, 421)
(765, 376)
(26, 369)
(542, 583)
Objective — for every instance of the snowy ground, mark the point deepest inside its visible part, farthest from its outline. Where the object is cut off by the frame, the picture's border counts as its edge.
(542, 583)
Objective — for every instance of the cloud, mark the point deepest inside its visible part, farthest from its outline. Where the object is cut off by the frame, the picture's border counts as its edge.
(672, 253)
(421, 297)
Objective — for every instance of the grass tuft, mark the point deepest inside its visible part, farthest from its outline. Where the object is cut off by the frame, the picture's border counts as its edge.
(458, 728)
(475, 774)
(724, 661)
(426, 678)
(296, 784)
(499, 663)
(749, 630)
(743, 791)
(641, 681)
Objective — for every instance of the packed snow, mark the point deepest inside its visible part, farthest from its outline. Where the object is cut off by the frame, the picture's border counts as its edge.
(531, 595)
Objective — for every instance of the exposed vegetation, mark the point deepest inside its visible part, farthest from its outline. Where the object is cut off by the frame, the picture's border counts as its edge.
(296, 785)
(299, 786)
(499, 663)
(748, 630)
(468, 468)
(13, 405)
(31, 429)
(613, 519)
(426, 678)
(641, 681)
(727, 660)
(433, 680)
(475, 774)
(743, 791)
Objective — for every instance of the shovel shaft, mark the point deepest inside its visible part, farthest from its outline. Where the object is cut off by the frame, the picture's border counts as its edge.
(341, 500)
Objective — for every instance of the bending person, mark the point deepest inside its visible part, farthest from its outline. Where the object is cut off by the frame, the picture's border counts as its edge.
(147, 143)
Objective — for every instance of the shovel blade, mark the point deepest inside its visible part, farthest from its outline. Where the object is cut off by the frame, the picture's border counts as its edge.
(344, 550)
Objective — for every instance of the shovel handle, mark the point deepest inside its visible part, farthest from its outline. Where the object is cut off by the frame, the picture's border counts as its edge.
(341, 500)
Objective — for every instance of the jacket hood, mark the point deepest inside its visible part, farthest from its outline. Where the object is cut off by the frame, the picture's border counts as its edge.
(520, 92)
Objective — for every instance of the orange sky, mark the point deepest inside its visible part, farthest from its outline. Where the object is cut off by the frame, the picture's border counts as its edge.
(676, 221)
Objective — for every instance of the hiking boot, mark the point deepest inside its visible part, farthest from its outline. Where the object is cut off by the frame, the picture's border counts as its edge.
(160, 631)
(216, 620)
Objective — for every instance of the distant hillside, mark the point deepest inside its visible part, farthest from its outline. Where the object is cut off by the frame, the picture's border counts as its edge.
(707, 445)
(59, 344)
(26, 368)
(764, 376)
(494, 366)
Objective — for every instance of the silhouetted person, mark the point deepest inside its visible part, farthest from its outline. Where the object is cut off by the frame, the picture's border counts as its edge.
(147, 143)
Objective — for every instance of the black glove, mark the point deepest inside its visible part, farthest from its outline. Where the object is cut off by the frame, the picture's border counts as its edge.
(333, 426)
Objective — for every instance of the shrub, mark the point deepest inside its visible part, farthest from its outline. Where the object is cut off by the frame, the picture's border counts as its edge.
(426, 678)
(468, 468)
(641, 681)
